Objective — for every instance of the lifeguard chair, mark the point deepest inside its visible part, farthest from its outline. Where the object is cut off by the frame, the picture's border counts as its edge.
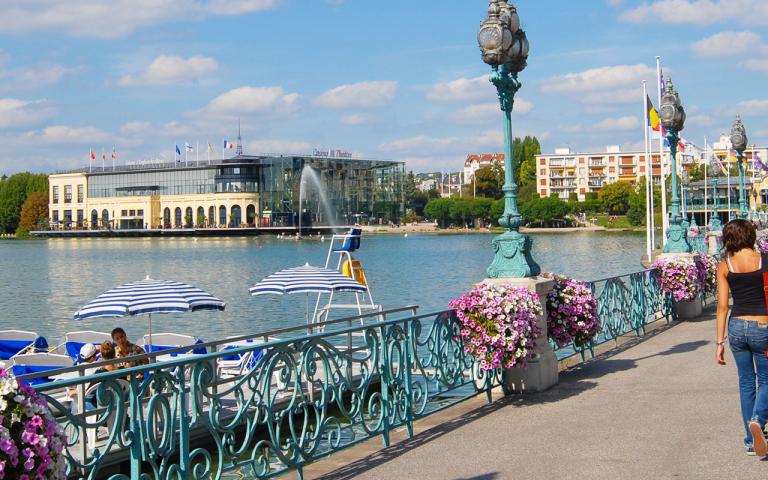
(343, 245)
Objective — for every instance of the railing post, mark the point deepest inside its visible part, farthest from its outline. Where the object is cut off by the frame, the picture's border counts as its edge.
(184, 466)
(84, 429)
(384, 386)
(408, 330)
(136, 438)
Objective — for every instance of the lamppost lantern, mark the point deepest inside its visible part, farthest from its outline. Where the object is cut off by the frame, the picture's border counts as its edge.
(500, 38)
(672, 112)
(504, 46)
(738, 135)
(739, 143)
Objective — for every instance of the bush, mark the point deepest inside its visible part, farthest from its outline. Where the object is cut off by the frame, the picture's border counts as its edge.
(544, 209)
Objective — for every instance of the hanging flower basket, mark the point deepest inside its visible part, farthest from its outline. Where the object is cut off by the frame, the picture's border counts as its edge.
(498, 324)
(31, 442)
(707, 267)
(678, 278)
(571, 312)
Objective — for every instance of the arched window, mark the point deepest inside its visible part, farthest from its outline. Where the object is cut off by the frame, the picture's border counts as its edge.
(223, 215)
(250, 215)
(200, 217)
(212, 216)
(105, 218)
(188, 217)
(167, 218)
(94, 219)
(237, 217)
(177, 216)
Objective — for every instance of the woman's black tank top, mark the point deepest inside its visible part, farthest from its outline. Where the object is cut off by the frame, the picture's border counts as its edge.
(747, 291)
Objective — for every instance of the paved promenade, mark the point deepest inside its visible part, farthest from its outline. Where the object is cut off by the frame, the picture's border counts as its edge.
(658, 408)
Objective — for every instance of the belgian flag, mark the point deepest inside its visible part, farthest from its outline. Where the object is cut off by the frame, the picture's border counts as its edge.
(653, 115)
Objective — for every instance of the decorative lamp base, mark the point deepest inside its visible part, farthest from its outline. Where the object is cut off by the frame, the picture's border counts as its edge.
(715, 224)
(512, 257)
(677, 239)
(541, 372)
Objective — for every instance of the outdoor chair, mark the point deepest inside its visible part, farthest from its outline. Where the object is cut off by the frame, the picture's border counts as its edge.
(92, 434)
(239, 364)
(168, 341)
(17, 342)
(39, 362)
(74, 341)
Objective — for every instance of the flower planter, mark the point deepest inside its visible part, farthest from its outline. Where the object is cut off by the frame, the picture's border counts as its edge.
(688, 310)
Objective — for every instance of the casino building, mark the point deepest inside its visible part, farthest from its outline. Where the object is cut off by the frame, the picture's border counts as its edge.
(240, 192)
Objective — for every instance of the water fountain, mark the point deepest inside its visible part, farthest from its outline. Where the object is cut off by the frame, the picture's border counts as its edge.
(310, 175)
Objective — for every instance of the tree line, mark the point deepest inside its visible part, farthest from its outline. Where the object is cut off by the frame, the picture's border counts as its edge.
(23, 202)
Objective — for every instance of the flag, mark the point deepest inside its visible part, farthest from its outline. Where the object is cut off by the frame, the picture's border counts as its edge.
(653, 115)
(103, 155)
(178, 150)
(759, 163)
(681, 144)
(228, 145)
(210, 147)
(93, 155)
(188, 147)
(114, 154)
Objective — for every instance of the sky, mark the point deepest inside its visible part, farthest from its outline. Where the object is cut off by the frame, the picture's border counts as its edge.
(400, 79)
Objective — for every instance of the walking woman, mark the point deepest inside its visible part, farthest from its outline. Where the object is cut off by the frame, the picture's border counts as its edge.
(740, 276)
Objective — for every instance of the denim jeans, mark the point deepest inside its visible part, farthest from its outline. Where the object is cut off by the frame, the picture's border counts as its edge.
(749, 342)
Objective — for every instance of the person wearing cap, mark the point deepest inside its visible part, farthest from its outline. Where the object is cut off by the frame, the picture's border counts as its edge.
(88, 353)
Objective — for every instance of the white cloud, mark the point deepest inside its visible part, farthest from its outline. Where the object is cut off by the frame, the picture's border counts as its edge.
(359, 95)
(462, 90)
(426, 145)
(603, 78)
(277, 146)
(752, 107)
(35, 76)
(245, 100)
(757, 65)
(62, 134)
(354, 119)
(725, 44)
(116, 18)
(171, 70)
(623, 123)
(23, 113)
(491, 111)
(699, 12)
(702, 120)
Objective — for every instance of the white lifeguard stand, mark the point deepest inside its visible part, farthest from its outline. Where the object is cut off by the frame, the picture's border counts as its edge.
(343, 245)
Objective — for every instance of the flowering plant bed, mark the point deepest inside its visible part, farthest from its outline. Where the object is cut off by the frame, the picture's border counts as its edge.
(762, 244)
(571, 312)
(707, 266)
(679, 278)
(31, 442)
(498, 324)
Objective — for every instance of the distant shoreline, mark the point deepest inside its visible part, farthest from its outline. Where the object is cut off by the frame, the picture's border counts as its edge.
(432, 229)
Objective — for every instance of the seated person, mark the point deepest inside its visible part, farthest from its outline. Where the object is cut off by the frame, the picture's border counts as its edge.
(88, 353)
(126, 349)
(107, 353)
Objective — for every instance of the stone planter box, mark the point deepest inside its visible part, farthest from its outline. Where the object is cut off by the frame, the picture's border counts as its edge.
(688, 310)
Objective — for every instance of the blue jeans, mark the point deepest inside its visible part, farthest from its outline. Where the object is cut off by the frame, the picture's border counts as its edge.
(748, 343)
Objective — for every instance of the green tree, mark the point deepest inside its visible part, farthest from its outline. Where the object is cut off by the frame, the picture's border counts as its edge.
(13, 193)
(461, 211)
(439, 210)
(696, 172)
(524, 156)
(545, 209)
(488, 181)
(481, 209)
(615, 197)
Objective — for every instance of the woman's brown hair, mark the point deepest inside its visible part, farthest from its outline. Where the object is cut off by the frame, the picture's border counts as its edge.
(738, 234)
(107, 350)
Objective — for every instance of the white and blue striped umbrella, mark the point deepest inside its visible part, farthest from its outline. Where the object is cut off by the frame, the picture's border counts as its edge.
(306, 279)
(147, 297)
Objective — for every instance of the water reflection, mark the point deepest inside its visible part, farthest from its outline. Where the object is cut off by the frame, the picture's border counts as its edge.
(42, 283)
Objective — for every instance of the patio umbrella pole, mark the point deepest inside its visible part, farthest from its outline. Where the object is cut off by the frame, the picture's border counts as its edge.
(150, 333)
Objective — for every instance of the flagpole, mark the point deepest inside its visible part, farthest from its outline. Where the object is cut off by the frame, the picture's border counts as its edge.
(648, 167)
(706, 185)
(197, 151)
(728, 173)
(186, 153)
(208, 150)
(664, 216)
(90, 160)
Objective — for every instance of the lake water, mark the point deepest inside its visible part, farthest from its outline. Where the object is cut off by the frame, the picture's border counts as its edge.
(43, 282)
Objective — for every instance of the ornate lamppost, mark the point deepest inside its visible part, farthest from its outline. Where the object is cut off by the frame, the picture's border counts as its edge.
(504, 47)
(739, 143)
(715, 224)
(673, 119)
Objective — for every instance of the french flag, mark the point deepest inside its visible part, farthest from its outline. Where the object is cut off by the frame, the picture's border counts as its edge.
(228, 145)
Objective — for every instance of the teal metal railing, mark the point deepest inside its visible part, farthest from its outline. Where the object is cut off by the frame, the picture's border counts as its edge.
(626, 305)
(297, 399)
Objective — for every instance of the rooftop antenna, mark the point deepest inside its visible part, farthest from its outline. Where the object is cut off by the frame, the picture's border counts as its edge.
(239, 139)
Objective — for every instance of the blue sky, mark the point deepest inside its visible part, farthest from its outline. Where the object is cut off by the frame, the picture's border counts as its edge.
(399, 79)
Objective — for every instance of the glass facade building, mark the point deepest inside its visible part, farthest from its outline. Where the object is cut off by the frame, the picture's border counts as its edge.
(260, 191)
